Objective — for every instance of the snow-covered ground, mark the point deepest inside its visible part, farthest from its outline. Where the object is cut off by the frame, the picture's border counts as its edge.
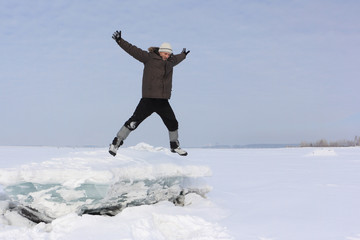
(243, 194)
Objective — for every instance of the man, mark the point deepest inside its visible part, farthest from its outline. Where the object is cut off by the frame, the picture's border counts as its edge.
(156, 91)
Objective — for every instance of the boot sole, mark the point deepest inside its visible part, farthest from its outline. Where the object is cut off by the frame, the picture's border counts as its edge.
(185, 154)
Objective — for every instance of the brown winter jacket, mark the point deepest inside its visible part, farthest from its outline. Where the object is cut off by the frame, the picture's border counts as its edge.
(157, 75)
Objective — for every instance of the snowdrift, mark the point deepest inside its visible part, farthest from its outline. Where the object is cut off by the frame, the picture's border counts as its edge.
(90, 181)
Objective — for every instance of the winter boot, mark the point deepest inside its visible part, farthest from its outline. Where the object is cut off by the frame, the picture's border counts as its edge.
(122, 134)
(175, 148)
(114, 146)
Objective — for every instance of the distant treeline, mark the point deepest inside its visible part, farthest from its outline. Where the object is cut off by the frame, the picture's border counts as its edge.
(253, 146)
(341, 143)
(320, 143)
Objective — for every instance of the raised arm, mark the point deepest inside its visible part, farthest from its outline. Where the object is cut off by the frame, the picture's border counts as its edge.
(178, 58)
(137, 53)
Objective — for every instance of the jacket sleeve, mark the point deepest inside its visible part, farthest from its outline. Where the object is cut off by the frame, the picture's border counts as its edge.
(178, 58)
(137, 53)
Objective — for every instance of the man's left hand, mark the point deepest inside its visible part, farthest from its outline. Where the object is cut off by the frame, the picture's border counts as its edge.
(184, 51)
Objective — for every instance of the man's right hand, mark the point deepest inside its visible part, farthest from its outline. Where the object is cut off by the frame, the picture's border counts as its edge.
(117, 36)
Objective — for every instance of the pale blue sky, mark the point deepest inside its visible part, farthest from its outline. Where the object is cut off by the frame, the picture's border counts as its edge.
(258, 71)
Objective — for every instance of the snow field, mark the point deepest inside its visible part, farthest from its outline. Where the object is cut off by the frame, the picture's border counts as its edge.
(251, 194)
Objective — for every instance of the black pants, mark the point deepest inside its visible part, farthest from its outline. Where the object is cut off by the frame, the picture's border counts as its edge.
(148, 106)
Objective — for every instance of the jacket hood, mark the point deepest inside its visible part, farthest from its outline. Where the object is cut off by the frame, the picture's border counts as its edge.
(154, 50)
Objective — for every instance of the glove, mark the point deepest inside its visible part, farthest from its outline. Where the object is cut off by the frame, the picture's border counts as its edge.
(117, 36)
(184, 51)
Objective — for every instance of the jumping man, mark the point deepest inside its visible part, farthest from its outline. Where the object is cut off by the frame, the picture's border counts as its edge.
(156, 91)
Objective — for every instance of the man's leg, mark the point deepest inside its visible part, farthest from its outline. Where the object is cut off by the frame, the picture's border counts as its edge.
(167, 115)
(142, 111)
